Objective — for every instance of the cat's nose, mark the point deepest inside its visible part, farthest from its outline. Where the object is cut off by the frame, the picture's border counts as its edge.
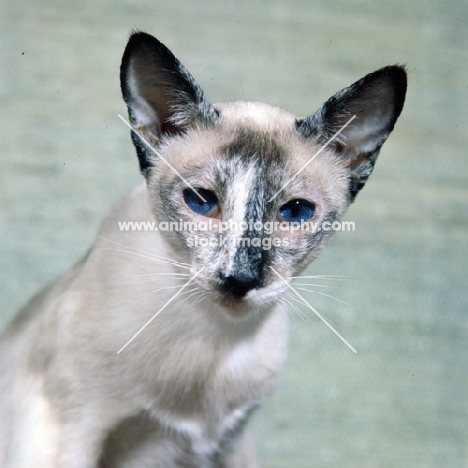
(239, 285)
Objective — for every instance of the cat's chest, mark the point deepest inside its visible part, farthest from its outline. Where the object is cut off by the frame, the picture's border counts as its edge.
(209, 393)
(211, 411)
(203, 380)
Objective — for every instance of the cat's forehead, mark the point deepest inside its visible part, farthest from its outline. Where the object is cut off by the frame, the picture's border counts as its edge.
(244, 131)
(255, 116)
(249, 132)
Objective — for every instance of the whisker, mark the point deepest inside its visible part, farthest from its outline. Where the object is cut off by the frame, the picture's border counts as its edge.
(149, 280)
(216, 317)
(166, 288)
(326, 277)
(295, 299)
(189, 293)
(201, 295)
(193, 292)
(147, 254)
(144, 256)
(318, 285)
(296, 310)
(302, 303)
(327, 295)
(158, 275)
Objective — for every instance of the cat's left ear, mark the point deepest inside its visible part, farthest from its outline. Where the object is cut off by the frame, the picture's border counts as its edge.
(161, 95)
(376, 102)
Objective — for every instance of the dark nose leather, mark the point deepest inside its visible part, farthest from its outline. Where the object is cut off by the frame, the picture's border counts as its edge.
(240, 285)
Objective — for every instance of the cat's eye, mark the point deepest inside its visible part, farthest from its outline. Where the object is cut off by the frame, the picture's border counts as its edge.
(209, 207)
(297, 211)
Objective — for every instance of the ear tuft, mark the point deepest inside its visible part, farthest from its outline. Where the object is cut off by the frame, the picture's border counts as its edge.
(376, 101)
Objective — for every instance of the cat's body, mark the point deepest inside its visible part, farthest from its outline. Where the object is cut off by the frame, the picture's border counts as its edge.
(66, 358)
(181, 392)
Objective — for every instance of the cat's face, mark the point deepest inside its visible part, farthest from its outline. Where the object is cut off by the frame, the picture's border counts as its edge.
(249, 186)
(238, 165)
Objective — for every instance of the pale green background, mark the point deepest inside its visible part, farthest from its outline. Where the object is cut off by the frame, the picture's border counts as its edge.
(66, 158)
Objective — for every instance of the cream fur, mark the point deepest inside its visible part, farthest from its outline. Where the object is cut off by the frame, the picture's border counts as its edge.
(180, 394)
(191, 371)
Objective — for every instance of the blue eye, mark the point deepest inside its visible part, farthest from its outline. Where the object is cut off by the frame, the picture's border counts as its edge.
(196, 204)
(297, 211)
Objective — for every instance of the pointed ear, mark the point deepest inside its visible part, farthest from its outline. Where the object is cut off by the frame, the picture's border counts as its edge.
(376, 100)
(161, 96)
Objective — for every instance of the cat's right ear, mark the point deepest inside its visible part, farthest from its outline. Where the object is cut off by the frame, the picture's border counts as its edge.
(161, 96)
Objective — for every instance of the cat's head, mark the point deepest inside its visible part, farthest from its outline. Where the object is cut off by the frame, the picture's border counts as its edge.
(247, 175)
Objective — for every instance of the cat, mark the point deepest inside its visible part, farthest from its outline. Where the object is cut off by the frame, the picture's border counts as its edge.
(157, 347)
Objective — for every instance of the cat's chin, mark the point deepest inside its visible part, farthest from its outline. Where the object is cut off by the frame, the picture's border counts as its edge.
(236, 308)
(242, 309)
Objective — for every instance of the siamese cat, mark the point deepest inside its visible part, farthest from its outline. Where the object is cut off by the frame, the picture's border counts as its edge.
(88, 378)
